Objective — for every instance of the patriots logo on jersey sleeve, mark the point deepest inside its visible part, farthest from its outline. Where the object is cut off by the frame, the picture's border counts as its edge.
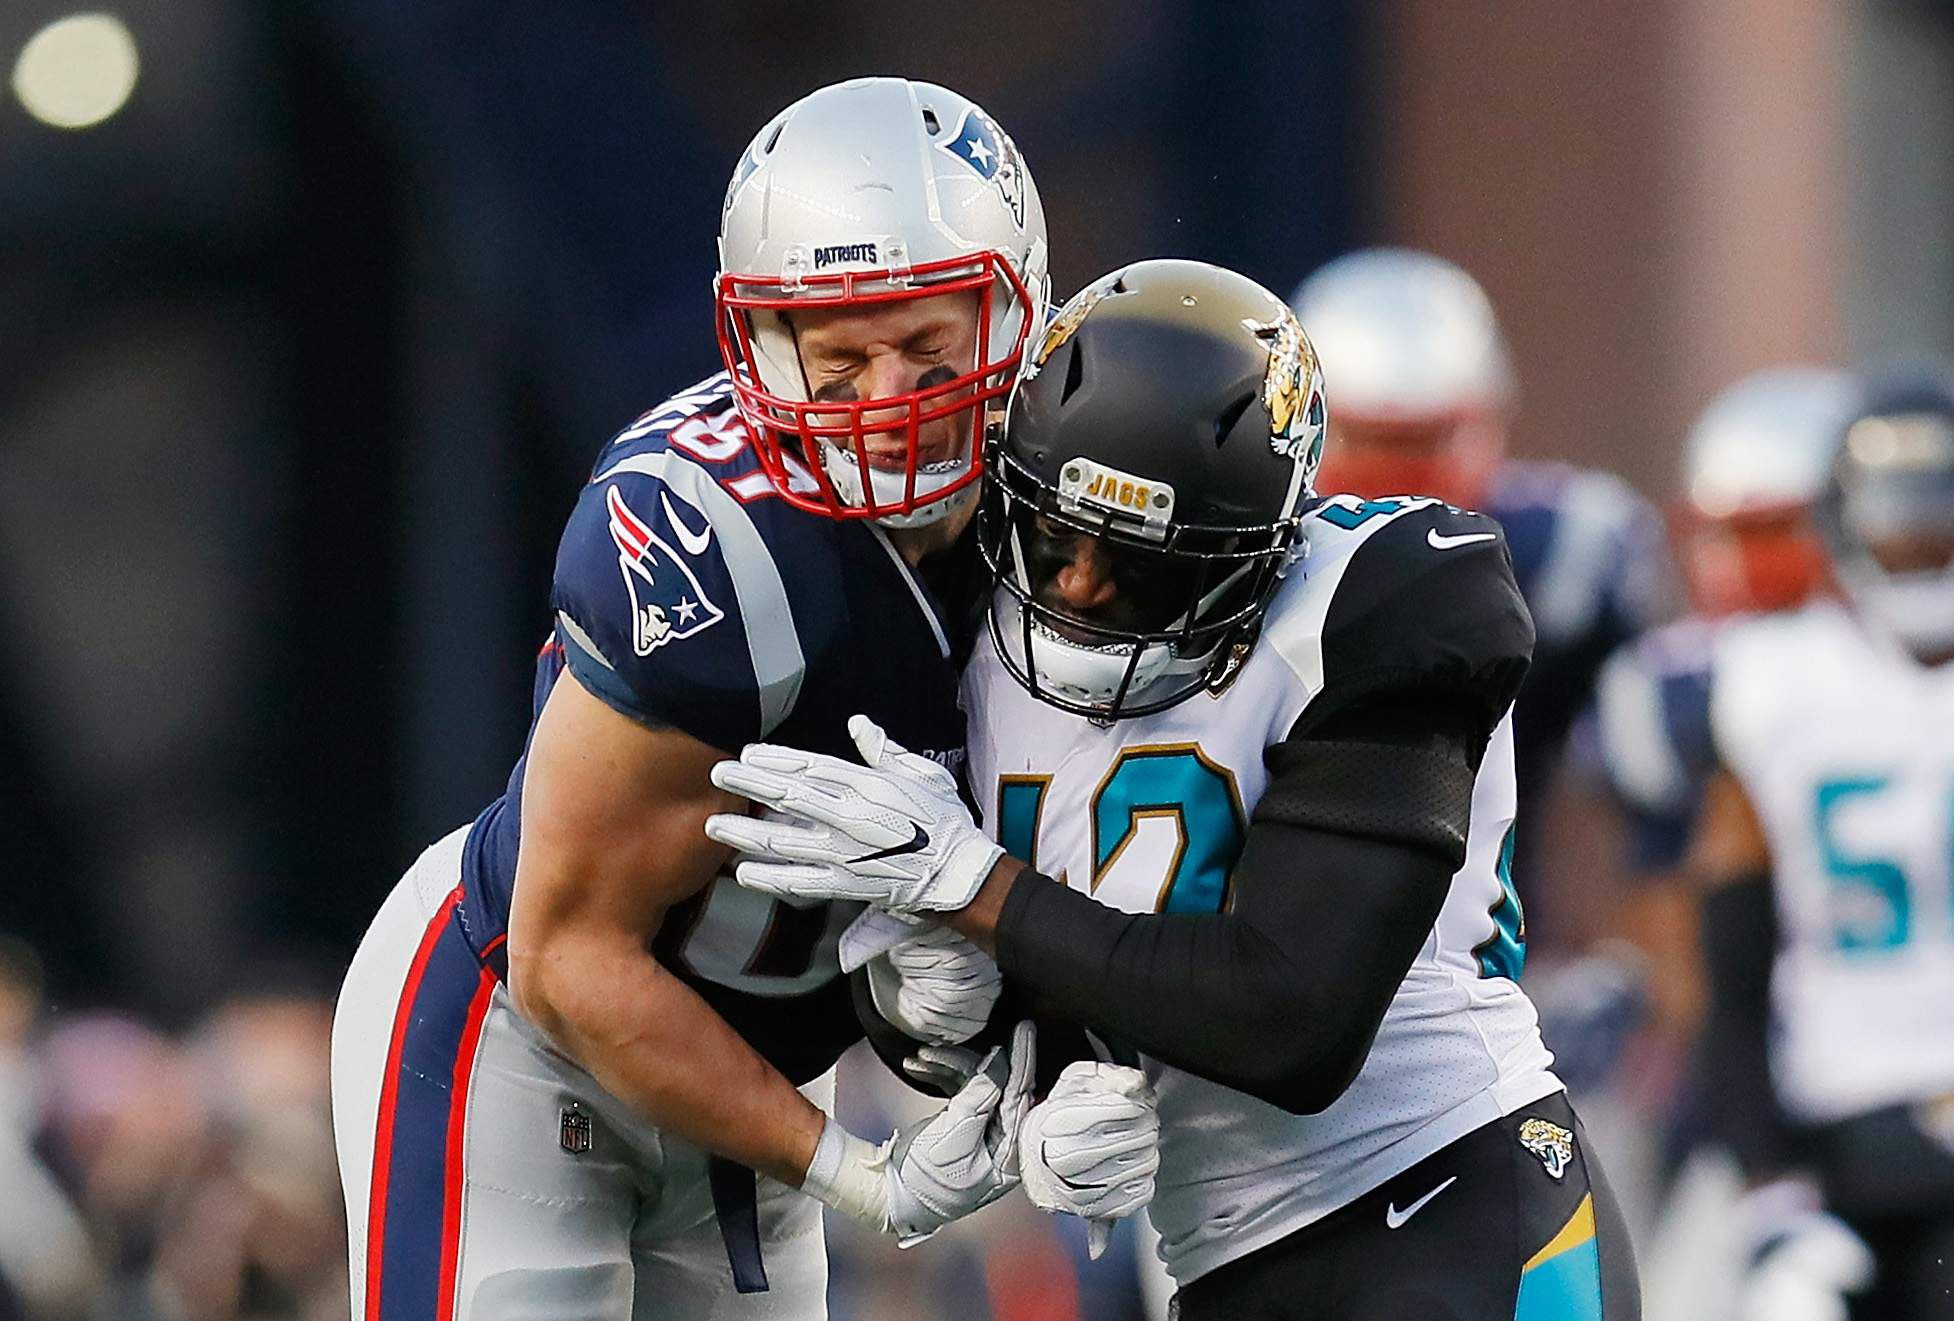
(667, 602)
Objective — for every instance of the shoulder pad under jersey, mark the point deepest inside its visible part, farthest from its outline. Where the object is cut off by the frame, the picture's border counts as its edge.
(1403, 594)
(670, 598)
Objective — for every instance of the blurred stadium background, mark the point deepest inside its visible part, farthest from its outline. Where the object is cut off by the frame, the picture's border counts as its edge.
(313, 314)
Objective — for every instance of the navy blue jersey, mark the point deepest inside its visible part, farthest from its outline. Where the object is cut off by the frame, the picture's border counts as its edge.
(1653, 722)
(1591, 560)
(688, 596)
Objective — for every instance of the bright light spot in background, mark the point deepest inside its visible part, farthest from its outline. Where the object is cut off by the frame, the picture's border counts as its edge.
(76, 71)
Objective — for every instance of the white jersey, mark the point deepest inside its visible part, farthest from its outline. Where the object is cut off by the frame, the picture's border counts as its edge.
(1845, 747)
(1149, 815)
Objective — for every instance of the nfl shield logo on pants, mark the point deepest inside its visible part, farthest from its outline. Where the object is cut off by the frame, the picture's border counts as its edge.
(573, 1132)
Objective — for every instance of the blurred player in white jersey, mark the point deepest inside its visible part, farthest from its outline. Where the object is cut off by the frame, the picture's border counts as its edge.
(1754, 464)
(1825, 849)
(1753, 467)
(1257, 747)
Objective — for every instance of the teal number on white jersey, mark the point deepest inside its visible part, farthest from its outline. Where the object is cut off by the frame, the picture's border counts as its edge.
(1842, 745)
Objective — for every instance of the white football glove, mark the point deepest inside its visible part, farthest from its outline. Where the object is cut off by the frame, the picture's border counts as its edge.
(892, 832)
(963, 1157)
(1091, 1148)
(936, 986)
(1804, 1261)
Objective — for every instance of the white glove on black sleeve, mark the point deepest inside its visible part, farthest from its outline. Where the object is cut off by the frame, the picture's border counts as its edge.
(937, 987)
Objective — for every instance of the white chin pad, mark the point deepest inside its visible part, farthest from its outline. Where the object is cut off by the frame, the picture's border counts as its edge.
(889, 488)
(1077, 671)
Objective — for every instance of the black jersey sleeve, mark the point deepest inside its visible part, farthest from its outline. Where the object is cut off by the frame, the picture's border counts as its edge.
(1427, 605)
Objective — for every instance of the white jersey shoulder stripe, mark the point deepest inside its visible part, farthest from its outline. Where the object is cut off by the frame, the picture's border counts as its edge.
(779, 666)
(1634, 735)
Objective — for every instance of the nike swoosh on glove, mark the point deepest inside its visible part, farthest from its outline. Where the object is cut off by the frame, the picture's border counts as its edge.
(892, 832)
(1091, 1148)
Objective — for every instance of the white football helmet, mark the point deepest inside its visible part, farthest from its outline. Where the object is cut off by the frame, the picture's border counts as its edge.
(1754, 462)
(867, 193)
(1766, 442)
(1417, 371)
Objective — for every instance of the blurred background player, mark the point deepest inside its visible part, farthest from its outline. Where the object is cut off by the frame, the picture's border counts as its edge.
(1825, 855)
(1422, 392)
(1754, 465)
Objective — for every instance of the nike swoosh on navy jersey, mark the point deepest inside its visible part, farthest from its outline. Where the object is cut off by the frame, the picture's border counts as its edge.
(694, 543)
(915, 844)
(1439, 541)
(1394, 1217)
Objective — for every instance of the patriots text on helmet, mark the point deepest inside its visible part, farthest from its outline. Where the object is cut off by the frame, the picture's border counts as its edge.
(840, 252)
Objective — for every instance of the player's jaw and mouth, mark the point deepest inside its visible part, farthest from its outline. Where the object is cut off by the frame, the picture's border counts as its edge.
(884, 432)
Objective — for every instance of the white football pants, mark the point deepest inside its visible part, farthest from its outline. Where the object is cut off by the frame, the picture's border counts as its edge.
(488, 1177)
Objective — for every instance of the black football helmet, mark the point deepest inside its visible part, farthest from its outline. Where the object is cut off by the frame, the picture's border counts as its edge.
(1147, 487)
(1888, 511)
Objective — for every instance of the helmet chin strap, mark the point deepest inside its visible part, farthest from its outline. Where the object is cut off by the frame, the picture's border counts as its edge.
(889, 488)
(886, 487)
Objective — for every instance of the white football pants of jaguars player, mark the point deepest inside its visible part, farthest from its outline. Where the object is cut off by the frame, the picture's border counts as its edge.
(489, 1177)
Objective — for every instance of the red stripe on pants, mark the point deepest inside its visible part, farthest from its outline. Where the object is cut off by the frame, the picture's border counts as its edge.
(471, 1035)
(383, 1142)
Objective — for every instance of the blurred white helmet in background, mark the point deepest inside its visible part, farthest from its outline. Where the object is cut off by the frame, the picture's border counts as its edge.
(1754, 463)
(1404, 334)
(871, 192)
(1766, 442)
(1416, 372)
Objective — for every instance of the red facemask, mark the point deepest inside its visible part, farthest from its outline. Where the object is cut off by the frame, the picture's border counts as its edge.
(787, 433)
(1765, 560)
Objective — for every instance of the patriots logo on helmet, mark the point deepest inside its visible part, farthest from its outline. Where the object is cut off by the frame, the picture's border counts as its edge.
(667, 602)
(978, 144)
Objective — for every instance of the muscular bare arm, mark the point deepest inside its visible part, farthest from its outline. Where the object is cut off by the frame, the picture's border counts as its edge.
(612, 837)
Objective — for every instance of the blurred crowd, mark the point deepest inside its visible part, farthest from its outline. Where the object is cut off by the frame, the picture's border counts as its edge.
(156, 1177)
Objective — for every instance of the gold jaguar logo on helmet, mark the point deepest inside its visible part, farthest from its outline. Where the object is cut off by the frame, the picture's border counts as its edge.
(1292, 389)
(1553, 1144)
(1070, 317)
